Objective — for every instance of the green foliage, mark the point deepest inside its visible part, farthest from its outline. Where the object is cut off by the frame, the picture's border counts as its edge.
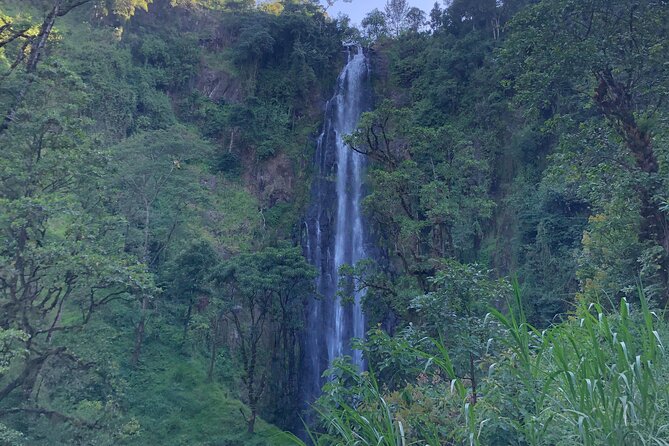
(11, 341)
(259, 289)
(150, 185)
(590, 384)
(111, 183)
(126, 8)
(429, 188)
(458, 290)
(10, 437)
(153, 181)
(374, 26)
(584, 93)
(599, 378)
(63, 257)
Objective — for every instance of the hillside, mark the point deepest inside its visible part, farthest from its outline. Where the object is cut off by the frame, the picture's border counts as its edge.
(206, 204)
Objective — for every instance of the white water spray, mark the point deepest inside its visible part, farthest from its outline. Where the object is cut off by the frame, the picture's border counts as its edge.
(335, 230)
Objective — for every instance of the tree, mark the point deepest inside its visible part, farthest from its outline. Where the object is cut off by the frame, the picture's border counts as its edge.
(415, 19)
(455, 311)
(613, 53)
(154, 193)
(32, 40)
(429, 188)
(436, 17)
(187, 278)
(472, 15)
(396, 14)
(375, 25)
(258, 288)
(62, 258)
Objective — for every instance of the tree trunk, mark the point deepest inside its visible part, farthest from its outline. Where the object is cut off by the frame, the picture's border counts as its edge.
(38, 43)
(139, 332)
(187, 322)
(251, 391)
(213, 351)
(616, 104)
(212, 360)
(251, 422)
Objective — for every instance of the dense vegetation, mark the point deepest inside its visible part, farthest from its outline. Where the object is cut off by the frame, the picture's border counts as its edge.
(524, 139)
(156, 165)
(153, 173)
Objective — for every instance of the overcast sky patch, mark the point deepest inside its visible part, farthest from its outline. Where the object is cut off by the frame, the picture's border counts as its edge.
(358, 9)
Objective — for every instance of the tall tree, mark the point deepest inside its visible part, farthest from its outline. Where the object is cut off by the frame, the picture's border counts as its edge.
(415, 19)
(436, 17)
(257, 288)
(396, 14)
(62, 258)
(611, 52)
(154, 191)
(33, 39)
(375, 25)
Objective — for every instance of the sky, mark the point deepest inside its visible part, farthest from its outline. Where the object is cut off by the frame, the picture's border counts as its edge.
(358, 9)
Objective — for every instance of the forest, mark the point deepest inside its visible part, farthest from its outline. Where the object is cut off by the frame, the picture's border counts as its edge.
(159, 164)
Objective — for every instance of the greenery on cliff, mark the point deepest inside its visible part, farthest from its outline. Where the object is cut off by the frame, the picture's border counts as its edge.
(155, 158)
(525, 139)
(156, 165)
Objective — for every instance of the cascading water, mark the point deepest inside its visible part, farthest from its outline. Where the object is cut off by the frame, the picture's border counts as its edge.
(334, 230)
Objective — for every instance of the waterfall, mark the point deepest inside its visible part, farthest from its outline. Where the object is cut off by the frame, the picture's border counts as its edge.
(334, 228)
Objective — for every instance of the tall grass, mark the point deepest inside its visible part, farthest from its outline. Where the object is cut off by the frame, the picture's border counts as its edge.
(598, 379)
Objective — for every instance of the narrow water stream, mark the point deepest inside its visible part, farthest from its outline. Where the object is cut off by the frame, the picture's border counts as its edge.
(335, 233)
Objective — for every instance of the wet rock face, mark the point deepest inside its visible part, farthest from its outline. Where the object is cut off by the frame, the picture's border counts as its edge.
(274, 181)
(219, 85)
(333, 233)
